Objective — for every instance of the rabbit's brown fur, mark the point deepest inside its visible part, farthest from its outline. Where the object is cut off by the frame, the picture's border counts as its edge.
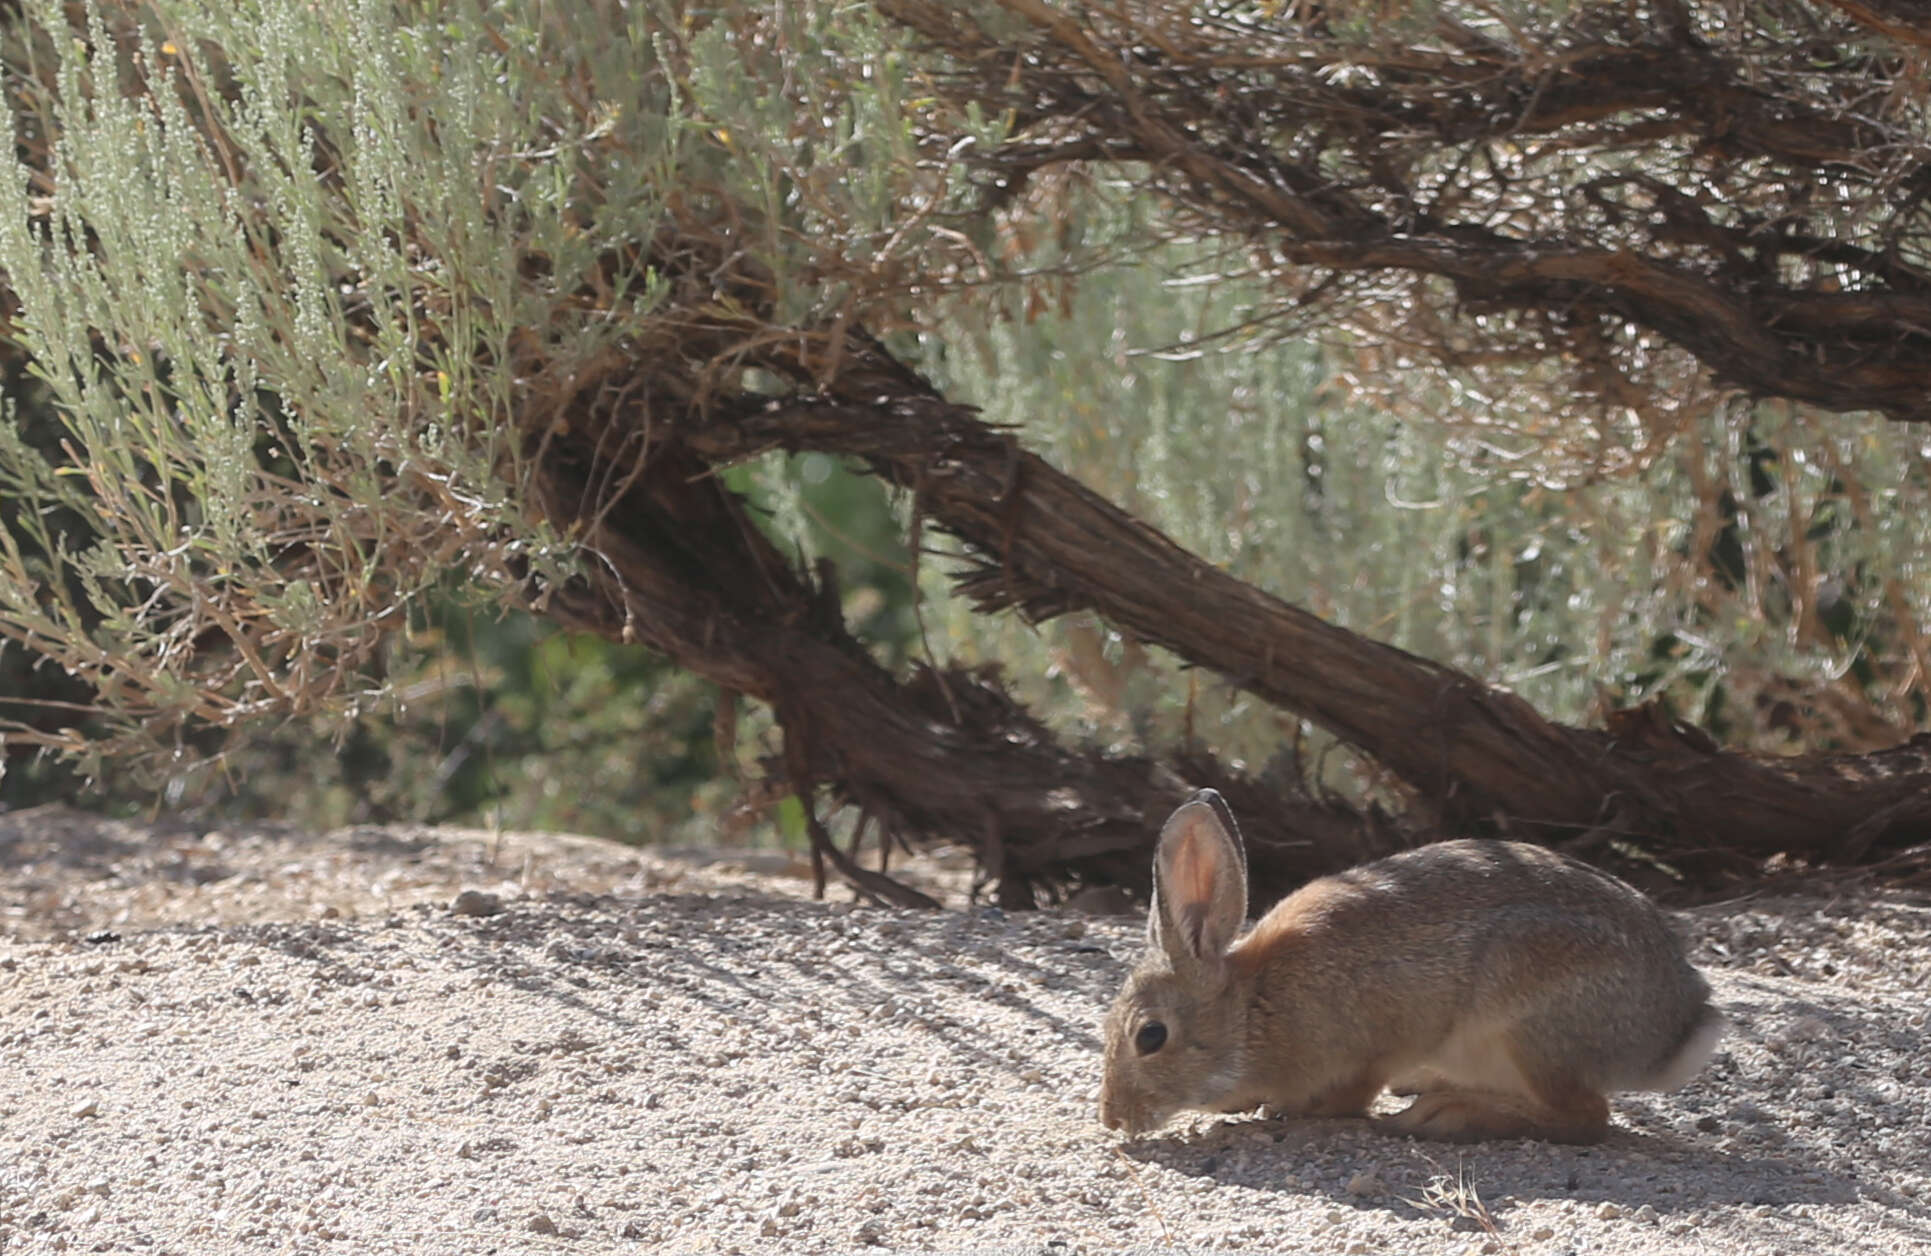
(1508, 988)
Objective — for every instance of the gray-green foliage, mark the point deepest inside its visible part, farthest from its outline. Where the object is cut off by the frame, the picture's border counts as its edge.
(303, 284)
(300, 280)
(1676, 574)
(259, 284)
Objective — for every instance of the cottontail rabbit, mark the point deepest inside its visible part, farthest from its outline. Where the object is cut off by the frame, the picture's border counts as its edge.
(1508, 988)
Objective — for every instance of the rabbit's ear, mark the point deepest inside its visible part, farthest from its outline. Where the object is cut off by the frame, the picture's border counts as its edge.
(1199, 885)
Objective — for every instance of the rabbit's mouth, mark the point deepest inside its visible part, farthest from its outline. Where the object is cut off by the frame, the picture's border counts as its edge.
(1130, 1117)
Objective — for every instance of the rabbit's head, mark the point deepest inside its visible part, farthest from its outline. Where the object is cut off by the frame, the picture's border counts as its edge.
(1176, 1037)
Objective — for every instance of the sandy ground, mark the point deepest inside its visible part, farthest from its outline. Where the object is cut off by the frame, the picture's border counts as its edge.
(272, 1040)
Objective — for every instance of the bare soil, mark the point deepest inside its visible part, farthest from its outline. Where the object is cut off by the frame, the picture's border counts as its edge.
(269, 1039)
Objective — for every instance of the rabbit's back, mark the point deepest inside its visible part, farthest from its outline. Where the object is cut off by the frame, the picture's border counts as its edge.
(1443, 947)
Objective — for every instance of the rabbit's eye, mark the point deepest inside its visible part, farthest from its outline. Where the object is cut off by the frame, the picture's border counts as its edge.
(1152, 1036)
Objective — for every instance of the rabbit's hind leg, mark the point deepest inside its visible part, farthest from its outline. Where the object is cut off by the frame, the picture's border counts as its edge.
(1417, 1082)
(1466, 1116)
(1491, 1081)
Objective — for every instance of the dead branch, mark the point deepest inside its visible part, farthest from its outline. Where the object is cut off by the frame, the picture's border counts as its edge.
(1776, 226)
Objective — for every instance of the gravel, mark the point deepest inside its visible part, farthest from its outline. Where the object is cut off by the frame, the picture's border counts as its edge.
(277, 1040)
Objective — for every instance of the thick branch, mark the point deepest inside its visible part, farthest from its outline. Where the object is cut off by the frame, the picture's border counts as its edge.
(939, 757)
(1480, 756)
(1759, 347)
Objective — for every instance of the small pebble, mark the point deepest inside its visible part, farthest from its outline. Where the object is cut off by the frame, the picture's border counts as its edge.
(475, 903)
